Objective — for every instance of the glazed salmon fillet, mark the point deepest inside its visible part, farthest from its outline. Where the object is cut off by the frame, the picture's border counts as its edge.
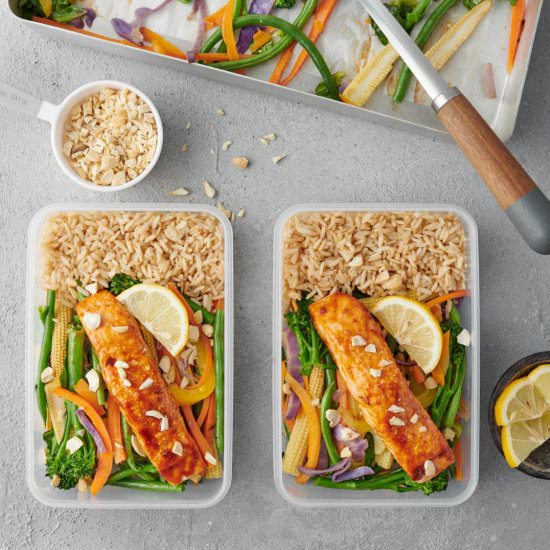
(133, 379)
(375, 381)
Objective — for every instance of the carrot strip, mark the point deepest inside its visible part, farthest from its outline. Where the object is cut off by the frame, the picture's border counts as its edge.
(313, 423)
(451, 296)
(82, 389)
(279, 69)
(344, 396)
(160, 44)
(417, 374)
(204, 412)
(458, 457)
(210, 421)
(105, 460)
(195, 431)
(219, 303)
(438, 374)
(215, 19)
(228, 32)
(322, 14)
(115, 430)
(516, 27)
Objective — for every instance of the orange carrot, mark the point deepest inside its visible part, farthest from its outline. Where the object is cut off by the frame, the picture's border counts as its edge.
(279, 69)
(227, 31)
(417, 374)
(440, 370)
(160, 44)
(516, 28)
(210, 421)
(344, 396)
(451, 296)
(81, 388)
(458, 455)
(115, 430)
(195, 431)
(436, 312)
(322, 13)
(105, 459)
(219, 303)
(204, 412)
(215, 19)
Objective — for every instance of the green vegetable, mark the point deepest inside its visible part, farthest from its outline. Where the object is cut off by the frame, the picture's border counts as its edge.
(94, 361)
(207, 317)
(326, 404)
(407, 14)
(127, 439)
(311, 346)
(321, 88)
(121, 282)
(159, 486)
(369, 453)
(45, 351)
(447, 399)
(292, 33)
(129, 472)
(219, 372)
(284, 4)
(397, 481)
(72, 467)
(425, 32)
(62, 10)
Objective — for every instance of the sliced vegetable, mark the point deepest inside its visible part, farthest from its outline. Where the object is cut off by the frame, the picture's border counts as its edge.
(83, 390)
(219, 375)
(326, 404)
(85, 421)
(247, 37)
(516, 28)
(228, 32)
(341, 466)
(157, 486)
(160, 44)
(438, 374)
(45, 353)
(356, 473)
(451, 296)
(56, 409)
(115, 430)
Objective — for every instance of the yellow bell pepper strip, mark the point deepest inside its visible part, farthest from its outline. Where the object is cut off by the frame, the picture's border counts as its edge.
(313, 422)
(215, 19)
(47, 7)
(160, 44)
(438, 374)
(105, 459)
(261, 38)
(205, 359)
(228, 33)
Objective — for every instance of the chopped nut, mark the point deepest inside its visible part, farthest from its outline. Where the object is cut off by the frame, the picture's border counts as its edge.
(220, 112)
(212, 151)
(345, 453)
(120, 330)
(430, 383)
(121, 364)
(429, 468)
(211, 459)
(226, 145)
(82, 486)
(371, 348)
(177, 448)
(240, 162)
(154, 414)
(241, 213)
(126, 383)
(384, 363)
(270, 137)
(93, 380)
(179, 192)
(315, 402)
(422, 429)
(394, 421)
(92, 288)
(47, 375)
(209, 191)
(184, 382)
(91, 320)
(185, 147)
(136, 445)
(147, 383)
(396, 409)
(449, 434)
(358, 340)
(165, 364)
(286, 389)
(188, 126)
(55, 481)
(414, 418)
(164, 424)
(393, 283)
(348, 434)
(464, 338)
(208, 330)
(220, 206)
(194, 333)
(376, 373)
(74, 444)
(278, 158)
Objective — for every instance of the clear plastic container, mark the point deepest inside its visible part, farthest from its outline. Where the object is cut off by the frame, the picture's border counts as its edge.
(205, 495)
(458, 492)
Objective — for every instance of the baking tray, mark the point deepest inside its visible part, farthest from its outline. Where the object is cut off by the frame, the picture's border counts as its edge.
(205, 495)
(458, 491)
(487, 45)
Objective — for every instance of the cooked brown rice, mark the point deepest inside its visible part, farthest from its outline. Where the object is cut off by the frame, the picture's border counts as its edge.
(155, 247)
(377, 253)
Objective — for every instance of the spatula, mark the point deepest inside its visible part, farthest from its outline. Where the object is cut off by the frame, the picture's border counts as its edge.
(516, 193)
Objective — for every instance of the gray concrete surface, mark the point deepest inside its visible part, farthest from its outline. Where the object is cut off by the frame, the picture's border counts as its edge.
(331, 158)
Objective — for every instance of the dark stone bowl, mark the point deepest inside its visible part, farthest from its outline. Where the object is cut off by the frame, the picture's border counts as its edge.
(537, 464)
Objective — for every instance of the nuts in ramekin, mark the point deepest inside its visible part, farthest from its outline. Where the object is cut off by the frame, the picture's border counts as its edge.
(111, 137)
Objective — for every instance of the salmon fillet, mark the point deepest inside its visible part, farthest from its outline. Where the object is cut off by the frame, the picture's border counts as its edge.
(141, 407)
(375, 381)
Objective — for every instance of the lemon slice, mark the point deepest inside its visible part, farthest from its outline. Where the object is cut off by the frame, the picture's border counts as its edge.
(518, 402)
(160, 311)
(540, 377)
(413, 325)
(520, 439)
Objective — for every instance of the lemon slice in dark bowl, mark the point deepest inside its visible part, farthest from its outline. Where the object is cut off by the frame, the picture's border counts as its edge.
(537, 464)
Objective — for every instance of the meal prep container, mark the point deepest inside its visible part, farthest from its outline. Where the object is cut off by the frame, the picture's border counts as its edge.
(481, 48)
(205, 495)
(458, 492)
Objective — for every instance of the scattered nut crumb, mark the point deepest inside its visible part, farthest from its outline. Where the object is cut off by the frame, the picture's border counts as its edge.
(180, 192)
(266, 140)
(240, 162)
(278, 158)
(185, 147)
(220, 112)
(241, 213)
(209, 191)
(212, 151)
(188, 126)
(220, 206)
(226, 145)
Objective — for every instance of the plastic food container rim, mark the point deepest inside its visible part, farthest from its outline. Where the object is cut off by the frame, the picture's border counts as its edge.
(141, 502)
(474, 370)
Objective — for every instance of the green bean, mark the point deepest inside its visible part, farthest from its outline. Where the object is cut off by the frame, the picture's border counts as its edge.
(294, 33)
(128, 472)
(369, 453)
(75, 366)
(94, 361)
(326, 404)
(159, 486)
(425, 32)
(386, 481)
(45, 352)
(219, 372)
(452, 409)
(127, 439)
(207, 317)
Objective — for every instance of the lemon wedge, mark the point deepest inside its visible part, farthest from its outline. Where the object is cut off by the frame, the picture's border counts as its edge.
(520, 401)
(414, 327)
(160, 311)
(540, 377)
(520, 439)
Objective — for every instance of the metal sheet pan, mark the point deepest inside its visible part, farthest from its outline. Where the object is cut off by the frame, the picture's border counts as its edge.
(500, 113)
